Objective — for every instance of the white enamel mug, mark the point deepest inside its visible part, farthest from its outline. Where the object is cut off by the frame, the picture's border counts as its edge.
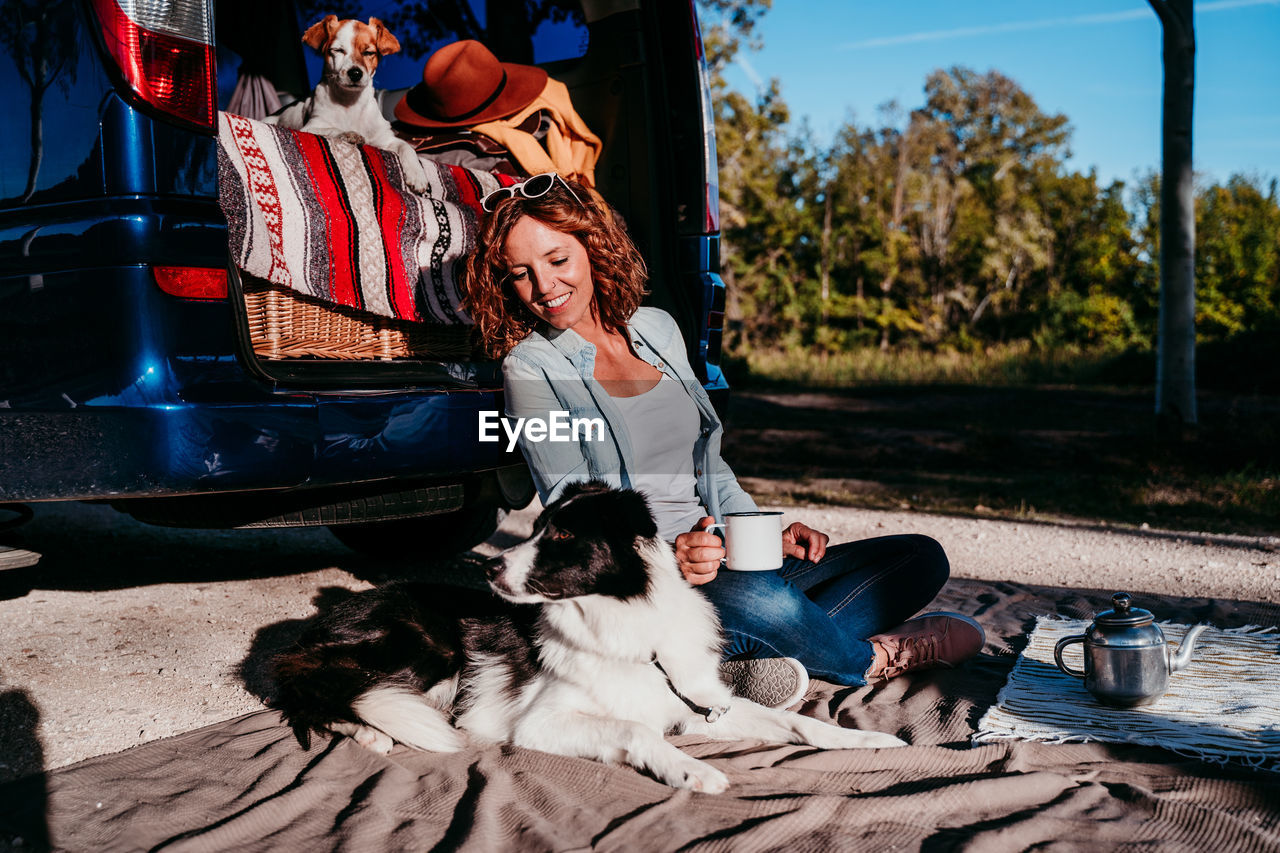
(752, 540)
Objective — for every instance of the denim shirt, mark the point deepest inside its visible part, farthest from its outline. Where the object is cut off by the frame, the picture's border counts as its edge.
(554, 370)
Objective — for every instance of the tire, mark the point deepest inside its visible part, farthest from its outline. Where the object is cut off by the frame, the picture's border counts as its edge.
(428, 537)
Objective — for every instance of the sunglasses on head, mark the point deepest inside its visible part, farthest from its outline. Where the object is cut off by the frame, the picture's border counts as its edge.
(535, 187)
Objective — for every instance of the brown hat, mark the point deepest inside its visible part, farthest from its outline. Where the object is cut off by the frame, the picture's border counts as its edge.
(463, 83)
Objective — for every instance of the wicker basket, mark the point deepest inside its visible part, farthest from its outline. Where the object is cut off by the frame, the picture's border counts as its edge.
(286, 325)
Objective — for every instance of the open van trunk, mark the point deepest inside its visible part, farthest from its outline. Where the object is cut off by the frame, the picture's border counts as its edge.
(130, 368)
(634, 72)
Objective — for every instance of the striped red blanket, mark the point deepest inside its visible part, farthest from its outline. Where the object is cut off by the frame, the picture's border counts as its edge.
(335, 221)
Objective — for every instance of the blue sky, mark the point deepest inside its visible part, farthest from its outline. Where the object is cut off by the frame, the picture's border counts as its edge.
(1096, 61)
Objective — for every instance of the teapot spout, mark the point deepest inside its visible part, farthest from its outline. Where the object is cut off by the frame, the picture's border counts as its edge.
(1183, 657)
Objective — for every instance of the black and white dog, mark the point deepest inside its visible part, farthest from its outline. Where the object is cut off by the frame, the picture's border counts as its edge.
(595, 646)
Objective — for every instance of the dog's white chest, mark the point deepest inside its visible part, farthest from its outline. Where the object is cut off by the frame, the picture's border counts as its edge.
(639, 692)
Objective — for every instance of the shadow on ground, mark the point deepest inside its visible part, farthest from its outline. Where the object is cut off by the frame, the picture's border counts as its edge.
(22, 758)
(1086, 453)
(91, 547)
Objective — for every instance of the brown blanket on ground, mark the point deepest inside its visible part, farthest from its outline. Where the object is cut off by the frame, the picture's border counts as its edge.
(246, 784)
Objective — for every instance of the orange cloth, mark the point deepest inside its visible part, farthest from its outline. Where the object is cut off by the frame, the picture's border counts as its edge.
(571, 148)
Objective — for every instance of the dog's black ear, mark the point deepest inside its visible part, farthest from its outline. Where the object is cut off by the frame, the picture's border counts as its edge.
(585, 487)
(625, 515)
(626, 510)
(632, 512)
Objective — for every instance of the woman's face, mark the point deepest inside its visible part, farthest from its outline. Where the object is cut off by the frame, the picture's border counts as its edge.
(551, 274)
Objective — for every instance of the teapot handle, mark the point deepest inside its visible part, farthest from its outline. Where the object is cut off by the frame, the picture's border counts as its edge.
(1057, 655)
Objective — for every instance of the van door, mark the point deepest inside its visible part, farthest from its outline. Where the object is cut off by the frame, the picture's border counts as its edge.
(636, 75)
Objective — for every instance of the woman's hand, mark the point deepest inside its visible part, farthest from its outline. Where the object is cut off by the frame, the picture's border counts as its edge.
(802, 541)
(698, 553)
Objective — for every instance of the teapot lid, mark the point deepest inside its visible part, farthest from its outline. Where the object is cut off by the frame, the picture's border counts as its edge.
(1124, 614)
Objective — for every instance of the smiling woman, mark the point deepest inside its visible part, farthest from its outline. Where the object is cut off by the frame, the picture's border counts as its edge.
(555, 288)
(550, 245)
(550, 273)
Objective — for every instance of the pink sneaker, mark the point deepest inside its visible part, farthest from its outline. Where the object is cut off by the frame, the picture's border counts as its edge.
(933, 641)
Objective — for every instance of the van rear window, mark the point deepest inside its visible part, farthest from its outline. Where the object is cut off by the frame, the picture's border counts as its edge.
(531, 32)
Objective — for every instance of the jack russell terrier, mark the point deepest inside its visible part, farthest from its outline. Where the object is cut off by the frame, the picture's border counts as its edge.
(342, 105)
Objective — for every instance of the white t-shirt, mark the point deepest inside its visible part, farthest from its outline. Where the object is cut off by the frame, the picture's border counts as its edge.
(663, 424)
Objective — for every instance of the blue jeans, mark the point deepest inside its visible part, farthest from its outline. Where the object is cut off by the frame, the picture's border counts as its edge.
(822, 613)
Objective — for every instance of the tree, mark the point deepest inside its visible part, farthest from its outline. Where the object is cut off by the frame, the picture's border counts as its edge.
(1092, 285)
(765, 234)
(983, 144)
(1237, 259)
(878, 179)
(1176, 338)
(732, 23)
(956, 224)
(41, 39)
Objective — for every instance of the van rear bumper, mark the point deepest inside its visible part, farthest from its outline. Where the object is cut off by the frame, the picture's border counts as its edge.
(110, 388)
(170, 450)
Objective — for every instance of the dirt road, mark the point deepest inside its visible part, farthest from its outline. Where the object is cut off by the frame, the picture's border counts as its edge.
(126, 633)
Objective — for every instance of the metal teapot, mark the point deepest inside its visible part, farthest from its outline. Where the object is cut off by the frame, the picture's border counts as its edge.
(1126, 659)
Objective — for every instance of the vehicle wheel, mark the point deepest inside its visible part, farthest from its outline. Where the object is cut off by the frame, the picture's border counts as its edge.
(431, 537)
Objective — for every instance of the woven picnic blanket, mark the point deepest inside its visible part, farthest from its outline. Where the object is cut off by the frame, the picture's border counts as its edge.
(335, 221)
(246, 785)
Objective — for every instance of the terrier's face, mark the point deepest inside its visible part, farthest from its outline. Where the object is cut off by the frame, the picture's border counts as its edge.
(351, 49)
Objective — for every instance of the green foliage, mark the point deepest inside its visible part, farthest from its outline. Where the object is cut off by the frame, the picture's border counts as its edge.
(1098, 320)
(1017, 363)
(955, 226)
(1237, 258)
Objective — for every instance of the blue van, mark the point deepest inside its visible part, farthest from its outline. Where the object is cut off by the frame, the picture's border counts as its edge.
(129, 370)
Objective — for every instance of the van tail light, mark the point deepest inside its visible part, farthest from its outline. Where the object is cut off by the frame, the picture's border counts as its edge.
(192, 282)
(711, 191)
(164, 51)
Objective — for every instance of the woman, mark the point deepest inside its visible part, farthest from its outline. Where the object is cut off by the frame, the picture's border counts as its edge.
(555, 290)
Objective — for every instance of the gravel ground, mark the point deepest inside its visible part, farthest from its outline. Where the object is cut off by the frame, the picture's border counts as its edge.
(126, 633)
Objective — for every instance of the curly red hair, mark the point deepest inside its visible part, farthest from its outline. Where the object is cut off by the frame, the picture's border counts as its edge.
(618, 272)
